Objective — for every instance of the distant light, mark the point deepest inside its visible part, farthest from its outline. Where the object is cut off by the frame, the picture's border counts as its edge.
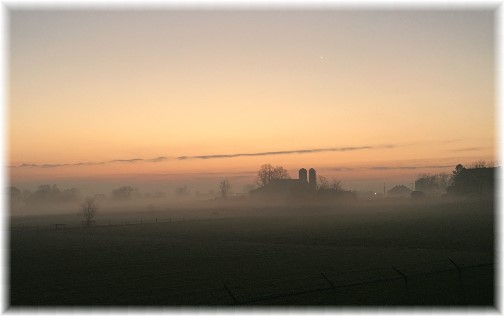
(375, 193)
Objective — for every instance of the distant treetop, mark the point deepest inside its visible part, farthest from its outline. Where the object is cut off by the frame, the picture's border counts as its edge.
(268, 173)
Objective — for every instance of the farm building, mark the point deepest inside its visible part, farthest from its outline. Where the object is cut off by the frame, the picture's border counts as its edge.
(283, 188)
(399, 191)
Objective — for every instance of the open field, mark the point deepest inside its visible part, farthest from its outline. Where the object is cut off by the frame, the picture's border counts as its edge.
(272, 256)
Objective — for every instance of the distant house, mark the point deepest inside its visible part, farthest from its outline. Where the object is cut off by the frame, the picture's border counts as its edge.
(399, 191)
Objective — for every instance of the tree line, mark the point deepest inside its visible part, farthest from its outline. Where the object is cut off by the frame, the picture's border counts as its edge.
(477, 178)
(51, 194)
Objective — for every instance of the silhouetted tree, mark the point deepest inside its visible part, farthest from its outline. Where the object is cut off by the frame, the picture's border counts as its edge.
(336, 185)
(182, 191)
(224, 188)
(123, 193)
(88, 210)
(50, 194)
(14, 196)
(457, 171)
(432, 183)
(14, 192)
(324, 184)
(268, 173)
(472, 181)
(69, 195)
(42, 194)
(443, 180)
(55, 192)
(481, 164)
(332, 190)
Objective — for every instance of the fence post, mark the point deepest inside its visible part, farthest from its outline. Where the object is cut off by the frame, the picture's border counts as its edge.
(461, 281)
(231, 295)
(332, 287)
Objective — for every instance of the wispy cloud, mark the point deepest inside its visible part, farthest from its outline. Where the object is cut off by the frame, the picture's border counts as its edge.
(158, 159)
(133, 160)
(216, 156)
(340, 169)
(285, 152)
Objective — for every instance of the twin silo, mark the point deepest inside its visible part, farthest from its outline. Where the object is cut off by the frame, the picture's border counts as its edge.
(310, 177)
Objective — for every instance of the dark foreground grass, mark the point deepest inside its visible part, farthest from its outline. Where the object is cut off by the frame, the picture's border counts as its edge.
(268, 257)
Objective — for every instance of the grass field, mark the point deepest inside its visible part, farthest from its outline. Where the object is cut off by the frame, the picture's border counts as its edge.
(268, 256)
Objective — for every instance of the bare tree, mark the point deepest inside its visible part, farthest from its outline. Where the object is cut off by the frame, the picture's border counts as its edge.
(336, 185)
(224, 188)
(435, 183)
(268, 173)
(88, 210)
(481, 164)
(322, 183)
(444, 181)
(478, 164)
(124, 193)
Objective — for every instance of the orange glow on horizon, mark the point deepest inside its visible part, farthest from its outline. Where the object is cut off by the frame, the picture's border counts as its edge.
(96, 86)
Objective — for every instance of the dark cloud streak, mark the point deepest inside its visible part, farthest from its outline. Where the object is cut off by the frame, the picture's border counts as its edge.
(286, 152)
(221, 156)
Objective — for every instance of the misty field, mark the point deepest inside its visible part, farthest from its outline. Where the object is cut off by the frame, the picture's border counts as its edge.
(367, 253)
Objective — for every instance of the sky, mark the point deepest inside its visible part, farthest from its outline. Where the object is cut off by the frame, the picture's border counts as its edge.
(159, 98)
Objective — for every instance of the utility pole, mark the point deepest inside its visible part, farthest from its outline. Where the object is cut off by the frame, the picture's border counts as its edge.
(384, 194)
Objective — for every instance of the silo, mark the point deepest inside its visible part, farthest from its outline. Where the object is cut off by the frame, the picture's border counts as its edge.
(303, 175)
(313, 178)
